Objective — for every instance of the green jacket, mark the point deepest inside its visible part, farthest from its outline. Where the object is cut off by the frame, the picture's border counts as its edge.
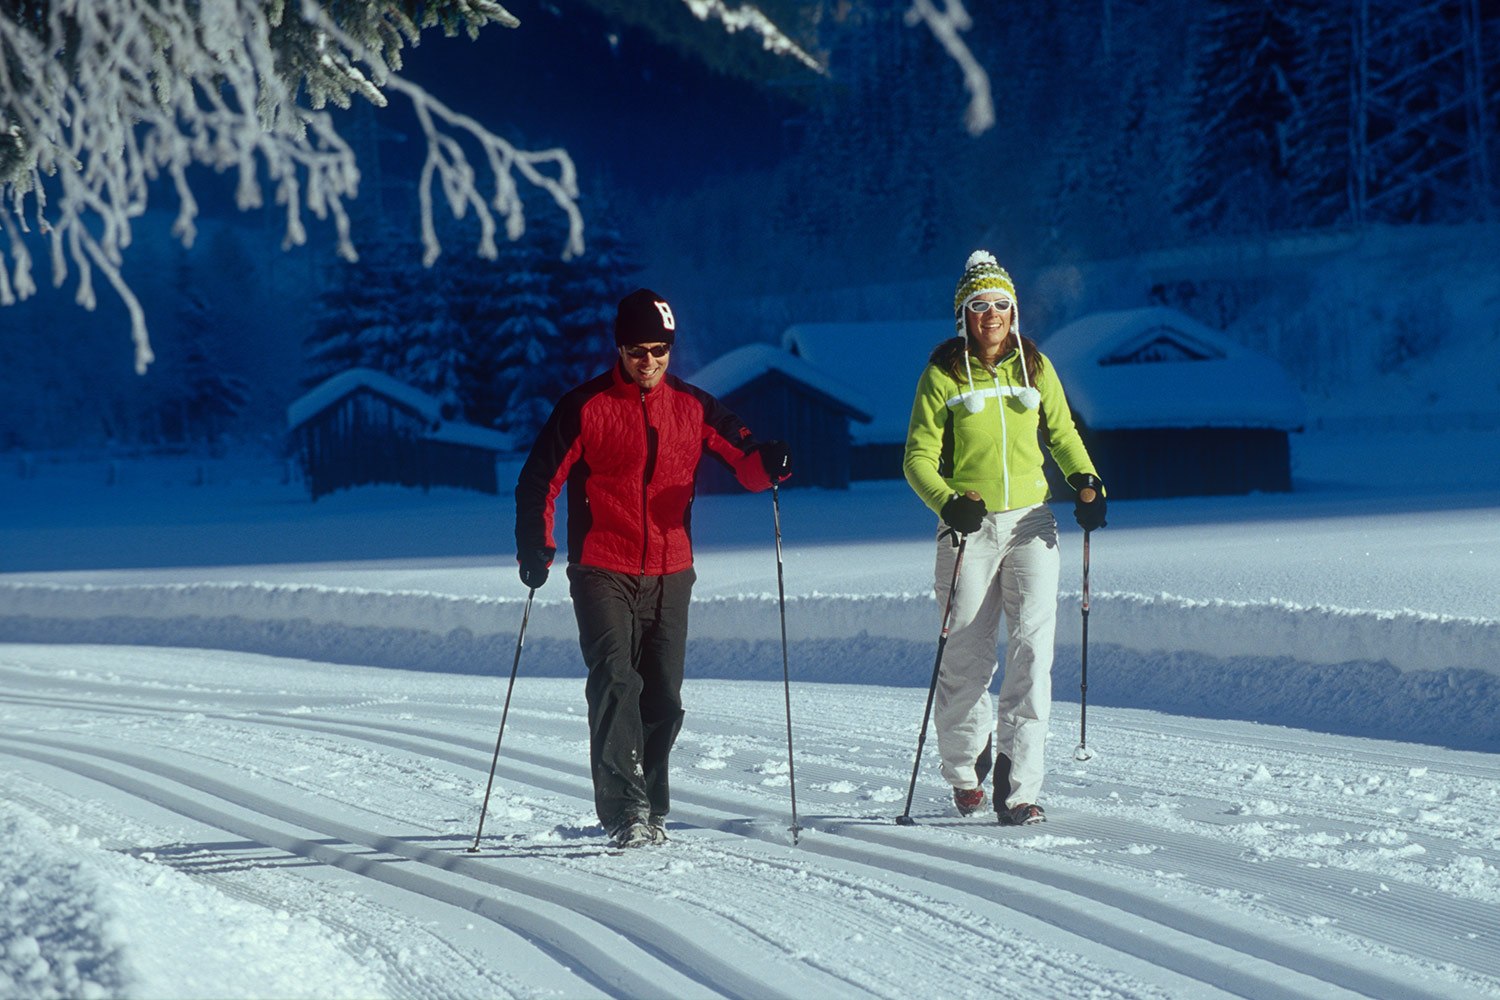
(995, 451)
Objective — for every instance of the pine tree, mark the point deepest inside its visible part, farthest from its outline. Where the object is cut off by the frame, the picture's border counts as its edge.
(592, 285)
(1247, 101)
(195, 400)
(364, 310)
(520, 344)
(1323, 133)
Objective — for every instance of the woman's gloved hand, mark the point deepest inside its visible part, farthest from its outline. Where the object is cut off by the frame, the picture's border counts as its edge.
(964, 513)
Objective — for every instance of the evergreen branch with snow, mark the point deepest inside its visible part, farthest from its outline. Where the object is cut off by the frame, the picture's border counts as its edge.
(98, 100)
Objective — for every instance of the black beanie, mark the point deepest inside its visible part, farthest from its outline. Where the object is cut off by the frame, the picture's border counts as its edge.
(644, 318)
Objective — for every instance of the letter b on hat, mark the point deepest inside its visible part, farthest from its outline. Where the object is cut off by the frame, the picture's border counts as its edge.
(644, 317)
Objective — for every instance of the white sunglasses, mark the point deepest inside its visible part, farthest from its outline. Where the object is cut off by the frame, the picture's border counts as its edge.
(985, 305)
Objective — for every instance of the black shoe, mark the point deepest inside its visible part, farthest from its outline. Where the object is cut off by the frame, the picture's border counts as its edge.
(1024, 814)
(631, 832)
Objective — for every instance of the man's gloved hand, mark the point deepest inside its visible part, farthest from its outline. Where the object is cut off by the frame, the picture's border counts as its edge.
(964, 513)
(1088, 503)
(777, 459)
(534, 563)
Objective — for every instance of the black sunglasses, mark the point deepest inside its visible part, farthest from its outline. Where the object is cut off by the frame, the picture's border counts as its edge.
(637, 353)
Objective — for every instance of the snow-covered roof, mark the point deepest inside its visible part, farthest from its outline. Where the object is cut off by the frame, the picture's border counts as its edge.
(1158, 367)
(429, 408)
(883, 359)
(458, 432)
(744, 365)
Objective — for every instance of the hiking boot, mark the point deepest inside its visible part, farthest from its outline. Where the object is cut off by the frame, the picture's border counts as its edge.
(631, 832)
(968, 800)
(658, 827)
(1024, 814)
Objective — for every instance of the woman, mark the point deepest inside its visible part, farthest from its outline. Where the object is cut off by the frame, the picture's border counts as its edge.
(973, 456)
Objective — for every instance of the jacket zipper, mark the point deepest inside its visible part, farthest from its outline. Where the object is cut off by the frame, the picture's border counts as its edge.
(645, 485)
(1004, 447)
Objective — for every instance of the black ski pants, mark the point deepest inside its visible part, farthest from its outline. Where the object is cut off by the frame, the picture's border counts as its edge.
(633, 634)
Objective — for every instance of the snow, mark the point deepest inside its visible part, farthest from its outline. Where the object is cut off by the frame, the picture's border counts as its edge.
(876, 357)
(744, 365)
(429, 408)
(328, 392)
(1228, 386)
(244, 740)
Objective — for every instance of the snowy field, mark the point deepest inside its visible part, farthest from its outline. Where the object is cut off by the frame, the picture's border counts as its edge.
(245, 740)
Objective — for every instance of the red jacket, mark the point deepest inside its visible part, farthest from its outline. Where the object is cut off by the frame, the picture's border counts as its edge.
(630, 459)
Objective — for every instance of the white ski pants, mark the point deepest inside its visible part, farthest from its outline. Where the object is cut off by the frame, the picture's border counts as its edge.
(1011, 566)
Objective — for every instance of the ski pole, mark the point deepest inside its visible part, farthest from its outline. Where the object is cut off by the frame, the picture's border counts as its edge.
(1083, 752)
(905, 818)
(515, 665)
(786, 676)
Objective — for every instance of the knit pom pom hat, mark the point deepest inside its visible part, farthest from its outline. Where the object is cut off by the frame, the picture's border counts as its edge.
(643, 317)
(982, 273)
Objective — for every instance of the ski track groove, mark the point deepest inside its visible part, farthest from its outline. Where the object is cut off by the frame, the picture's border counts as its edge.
(1188, 958)
(939, 949)
(403, 981)
(1296, 897)
(1289, 747)
(548, 934)
(581, 789)
(358, 942)
(682, 965)
(1204, 856)
(1304, 893)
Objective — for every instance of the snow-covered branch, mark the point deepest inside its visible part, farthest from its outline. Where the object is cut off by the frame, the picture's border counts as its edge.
(98, 100)
(946, 25)
(448, 166)
(747, 17)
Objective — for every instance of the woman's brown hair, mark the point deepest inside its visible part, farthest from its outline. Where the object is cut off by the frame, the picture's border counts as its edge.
(949, 356)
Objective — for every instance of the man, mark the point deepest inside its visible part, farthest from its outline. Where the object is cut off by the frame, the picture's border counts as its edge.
(627, 443)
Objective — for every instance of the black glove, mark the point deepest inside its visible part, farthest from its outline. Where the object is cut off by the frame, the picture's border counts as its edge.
(1088, 513)
(777, 459)
(534, 563)
(963, 514)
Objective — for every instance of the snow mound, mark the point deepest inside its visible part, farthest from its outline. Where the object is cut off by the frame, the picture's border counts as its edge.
(1434, 678)
(80, 920)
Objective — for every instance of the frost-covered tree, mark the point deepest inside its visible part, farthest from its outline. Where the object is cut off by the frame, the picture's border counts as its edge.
(100, 99)
(591, 286)
(517, 349)
(1247, 101)
(364, 309)
(192, 399)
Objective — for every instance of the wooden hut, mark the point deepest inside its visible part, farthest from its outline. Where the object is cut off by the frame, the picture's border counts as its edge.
(781, 396)
(1171, 407)
(363, 427)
